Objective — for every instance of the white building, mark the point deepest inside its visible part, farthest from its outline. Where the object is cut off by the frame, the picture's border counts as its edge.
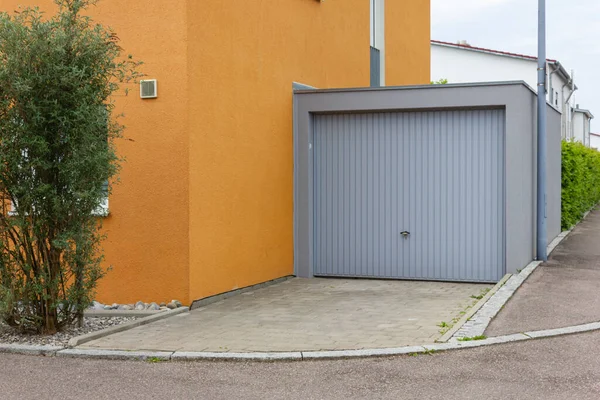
(595, 141)
(463, 63)
(581, 125)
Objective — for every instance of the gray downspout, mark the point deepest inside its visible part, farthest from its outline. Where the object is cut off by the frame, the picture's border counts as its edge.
(565, 106)
(542, 238)
(551, 87)
(573, 89)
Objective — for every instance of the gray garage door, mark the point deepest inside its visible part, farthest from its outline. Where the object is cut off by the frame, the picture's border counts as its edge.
(437, 177)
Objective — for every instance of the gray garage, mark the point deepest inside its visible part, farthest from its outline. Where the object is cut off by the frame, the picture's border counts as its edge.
(429, 183)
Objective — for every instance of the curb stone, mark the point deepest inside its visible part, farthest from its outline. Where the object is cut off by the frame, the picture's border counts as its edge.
(386, 352)
(115, 354)
(341, 354)
(195, 356)
(88, 337)
(31, 350)
(569, 330)
(294, 356)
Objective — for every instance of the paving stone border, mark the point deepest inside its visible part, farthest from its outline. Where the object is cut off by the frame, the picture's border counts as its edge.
(473, 310)
(88, 337)
(318, 355)
(478, 323)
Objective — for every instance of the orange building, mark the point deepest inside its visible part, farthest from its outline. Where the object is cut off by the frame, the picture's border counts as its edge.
(205, 199)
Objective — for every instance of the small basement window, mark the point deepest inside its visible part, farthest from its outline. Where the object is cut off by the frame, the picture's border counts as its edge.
(148, 89)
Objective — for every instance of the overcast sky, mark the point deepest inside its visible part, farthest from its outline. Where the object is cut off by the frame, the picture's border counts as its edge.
(573, 29)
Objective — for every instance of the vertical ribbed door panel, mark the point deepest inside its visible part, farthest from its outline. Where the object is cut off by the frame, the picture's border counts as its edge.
(436, 176)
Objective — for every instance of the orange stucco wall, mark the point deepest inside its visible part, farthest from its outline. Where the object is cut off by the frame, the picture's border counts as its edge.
(205, 203)
(243, 58)
(147, 243)
(407, 42)
(148, 226)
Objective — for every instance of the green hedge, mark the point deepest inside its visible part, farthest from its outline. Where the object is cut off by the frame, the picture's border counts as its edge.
(580, 182)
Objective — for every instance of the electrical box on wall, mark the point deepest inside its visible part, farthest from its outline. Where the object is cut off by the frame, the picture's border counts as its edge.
(148, 89)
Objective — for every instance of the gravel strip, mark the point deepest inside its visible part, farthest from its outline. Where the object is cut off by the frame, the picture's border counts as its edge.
(10, 335)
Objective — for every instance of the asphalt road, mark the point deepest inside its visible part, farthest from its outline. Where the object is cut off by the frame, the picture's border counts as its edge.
(559, 368)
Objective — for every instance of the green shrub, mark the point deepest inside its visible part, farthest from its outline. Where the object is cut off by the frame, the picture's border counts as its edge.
(580, 182)
(57, 150)
(442, 81)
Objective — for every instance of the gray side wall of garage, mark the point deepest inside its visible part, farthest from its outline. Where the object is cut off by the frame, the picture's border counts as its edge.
(524, 186)
(520, 178)
(554, 173)
(518, 101)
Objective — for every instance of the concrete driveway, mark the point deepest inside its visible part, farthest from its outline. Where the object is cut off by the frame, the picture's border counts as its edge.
(308, 314)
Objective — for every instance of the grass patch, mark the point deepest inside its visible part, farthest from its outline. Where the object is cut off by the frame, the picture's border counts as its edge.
(470, 339)
(481, 294)
(426, 352)
(444, 327)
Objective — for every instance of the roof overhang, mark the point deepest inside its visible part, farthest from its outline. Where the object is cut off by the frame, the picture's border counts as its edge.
(560, 70)
(488, 51)
(586, 112)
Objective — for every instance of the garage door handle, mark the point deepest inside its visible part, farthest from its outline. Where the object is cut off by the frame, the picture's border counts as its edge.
(405, 234)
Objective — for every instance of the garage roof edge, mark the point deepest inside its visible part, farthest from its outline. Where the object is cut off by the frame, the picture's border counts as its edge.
(444, 86)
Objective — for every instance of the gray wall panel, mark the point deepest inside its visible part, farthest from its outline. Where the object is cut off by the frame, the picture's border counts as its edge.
(520, 181)
(554, 173)
(438, 175)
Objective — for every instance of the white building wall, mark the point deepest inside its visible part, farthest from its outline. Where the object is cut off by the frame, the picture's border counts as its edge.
(595, 141)
(465, 66)
(586, 131)
(578, 127)
(461, 65)
(378, 33)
